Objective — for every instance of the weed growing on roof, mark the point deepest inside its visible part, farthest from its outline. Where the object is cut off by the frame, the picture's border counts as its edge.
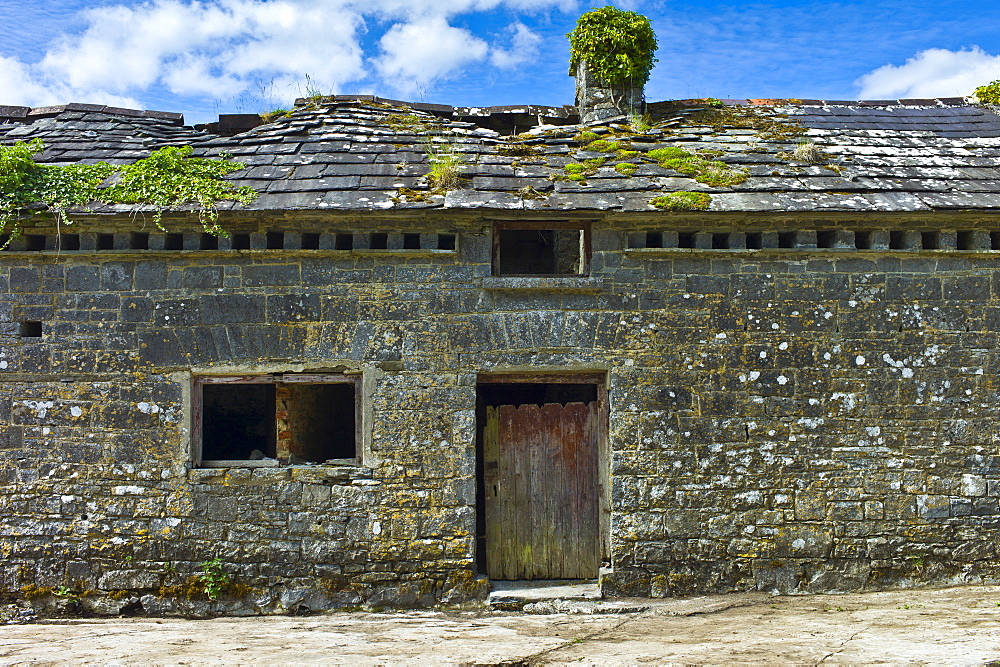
(275, 114)
(518, 150)
(618, 46)
(640, 123)
(682, 201)
(445, 162)
(603, 146)
(528, 192)
(625, 168)
(806, 151)
(988, 94)
(406, 122)
(312, 90)
(168, 178)
(769, 126)
(710, 172)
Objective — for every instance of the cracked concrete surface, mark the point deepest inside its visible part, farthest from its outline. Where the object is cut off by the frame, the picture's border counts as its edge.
(929, 626)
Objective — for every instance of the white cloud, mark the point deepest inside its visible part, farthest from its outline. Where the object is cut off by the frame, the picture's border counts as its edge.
(415, 54)
(523, 47)
(219, 49)
(931, 73)
(22, 85)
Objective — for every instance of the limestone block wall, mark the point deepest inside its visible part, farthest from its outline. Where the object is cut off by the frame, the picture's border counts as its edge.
(778, 420)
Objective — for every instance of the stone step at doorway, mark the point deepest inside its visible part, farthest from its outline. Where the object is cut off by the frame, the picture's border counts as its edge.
(556, 596)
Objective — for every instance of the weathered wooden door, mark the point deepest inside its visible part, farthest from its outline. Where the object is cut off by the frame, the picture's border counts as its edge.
(542, 503)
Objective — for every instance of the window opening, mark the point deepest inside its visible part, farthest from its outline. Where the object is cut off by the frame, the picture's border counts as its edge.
(411, 241)
(378, 241)
(275, 240)
(294, 420)
(446, 241)
(34, 242)
(310, 241)
(105, 241)
(535, 250)
(139, 241)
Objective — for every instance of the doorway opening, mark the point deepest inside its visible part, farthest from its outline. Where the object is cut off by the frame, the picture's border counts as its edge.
(541, 506)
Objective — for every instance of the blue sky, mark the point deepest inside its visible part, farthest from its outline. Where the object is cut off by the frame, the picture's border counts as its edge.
(229, 56)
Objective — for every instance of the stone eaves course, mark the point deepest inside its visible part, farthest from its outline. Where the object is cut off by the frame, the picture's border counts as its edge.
(355, 154)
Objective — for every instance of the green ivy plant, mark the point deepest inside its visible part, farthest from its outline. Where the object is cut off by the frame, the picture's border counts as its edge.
(989, 94)
(617, 45)
(167, 179)
(215, 577)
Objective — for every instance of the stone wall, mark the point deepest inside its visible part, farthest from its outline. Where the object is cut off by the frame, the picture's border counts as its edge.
(779, 420)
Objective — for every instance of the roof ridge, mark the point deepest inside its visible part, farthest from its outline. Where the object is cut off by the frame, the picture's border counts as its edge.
(12, 112)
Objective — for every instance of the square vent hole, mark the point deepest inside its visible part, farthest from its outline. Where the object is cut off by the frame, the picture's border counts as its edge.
(29, 330)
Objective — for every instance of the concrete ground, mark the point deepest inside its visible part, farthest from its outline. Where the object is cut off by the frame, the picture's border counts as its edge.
(950, 626)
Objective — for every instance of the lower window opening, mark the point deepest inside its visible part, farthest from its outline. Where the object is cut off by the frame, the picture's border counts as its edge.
(284, 422)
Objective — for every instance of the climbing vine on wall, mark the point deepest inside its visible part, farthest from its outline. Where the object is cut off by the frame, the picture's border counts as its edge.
(168, 178)
(617, 45)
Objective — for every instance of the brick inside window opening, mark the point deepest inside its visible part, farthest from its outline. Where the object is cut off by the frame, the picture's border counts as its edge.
(292, 422)
(533, 252)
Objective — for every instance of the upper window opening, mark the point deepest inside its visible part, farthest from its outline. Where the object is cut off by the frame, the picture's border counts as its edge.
(537, 250)
(291, 420)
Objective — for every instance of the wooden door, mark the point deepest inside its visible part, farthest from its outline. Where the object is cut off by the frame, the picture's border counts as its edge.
(542, 502)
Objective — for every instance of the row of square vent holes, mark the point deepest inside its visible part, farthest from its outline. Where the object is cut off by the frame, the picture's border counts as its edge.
(808, 240)
(269, 241)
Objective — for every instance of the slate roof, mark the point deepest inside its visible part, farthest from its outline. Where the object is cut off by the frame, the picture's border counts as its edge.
(351, 154)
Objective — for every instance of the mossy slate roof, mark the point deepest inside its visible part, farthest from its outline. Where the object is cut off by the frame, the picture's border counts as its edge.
(355, 154)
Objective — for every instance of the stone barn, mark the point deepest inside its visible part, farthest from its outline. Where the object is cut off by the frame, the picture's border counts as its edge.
(732, 345)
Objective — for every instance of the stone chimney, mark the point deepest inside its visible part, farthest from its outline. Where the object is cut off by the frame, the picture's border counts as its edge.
(595, 100)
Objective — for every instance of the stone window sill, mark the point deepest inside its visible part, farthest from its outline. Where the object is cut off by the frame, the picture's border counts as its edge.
(274, 463)
(543, 283)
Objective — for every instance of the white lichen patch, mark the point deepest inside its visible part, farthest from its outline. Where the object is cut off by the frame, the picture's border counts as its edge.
(40, 408)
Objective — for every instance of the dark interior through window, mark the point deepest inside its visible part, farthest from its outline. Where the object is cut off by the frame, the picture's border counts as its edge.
(236, 420)
(540, 252)
(292, 422)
